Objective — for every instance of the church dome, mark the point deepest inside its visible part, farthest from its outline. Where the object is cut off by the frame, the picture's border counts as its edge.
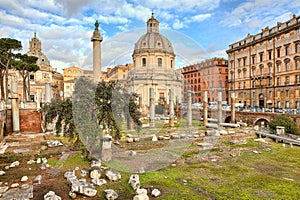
(153, 40)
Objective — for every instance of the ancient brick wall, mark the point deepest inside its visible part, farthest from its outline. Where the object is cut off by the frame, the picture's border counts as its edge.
(30, 121)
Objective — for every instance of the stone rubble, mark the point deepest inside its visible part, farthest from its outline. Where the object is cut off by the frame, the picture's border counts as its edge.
(155, 192)
(84, 172)
(134, 181)
(54, 143)
(141, 194)
(98, 181)
(51, 196)
(72, 195)
(14, 164)
(80, 186)
(96, 163)
(38, 179)
(3, 189)
(111, 194)
(154, 138)
(112, 175)
(14, 185)
(129, 140)
(23, 193)
(95, 173)
(30, 162)
(24, 179)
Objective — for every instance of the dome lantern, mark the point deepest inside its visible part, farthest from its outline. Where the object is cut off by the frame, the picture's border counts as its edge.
(152, 25)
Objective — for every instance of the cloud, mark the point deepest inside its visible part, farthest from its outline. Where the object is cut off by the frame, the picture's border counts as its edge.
(178, 24)
(183, 5)
(258, 13)
(199, 18)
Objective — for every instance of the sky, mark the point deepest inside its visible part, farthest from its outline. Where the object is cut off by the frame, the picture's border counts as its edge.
(198, 29)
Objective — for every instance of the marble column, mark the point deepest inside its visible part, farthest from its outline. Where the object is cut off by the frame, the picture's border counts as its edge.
(233, 107)
(205, 108)
(171, 108)
(48, 92)
(15, 105)
(219, 107)
(189, 109)
(152, 107)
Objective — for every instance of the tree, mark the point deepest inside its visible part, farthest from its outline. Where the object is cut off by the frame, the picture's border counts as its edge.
(103, 105)
(7, 48)
(25, 65)
(284, 120)
(113, 105)
(61, 110)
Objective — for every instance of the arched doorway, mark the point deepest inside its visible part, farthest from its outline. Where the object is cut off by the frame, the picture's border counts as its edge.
(262, 122)
(261, 100)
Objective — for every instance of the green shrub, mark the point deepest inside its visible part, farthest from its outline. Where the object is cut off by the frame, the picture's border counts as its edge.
(284, 120)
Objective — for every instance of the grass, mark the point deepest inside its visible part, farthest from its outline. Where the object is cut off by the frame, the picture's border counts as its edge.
(76, 160)
(274, 173)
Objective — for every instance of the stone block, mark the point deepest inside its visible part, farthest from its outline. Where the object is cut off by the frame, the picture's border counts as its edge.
(111, 194)
(113, 175)
(155, 192)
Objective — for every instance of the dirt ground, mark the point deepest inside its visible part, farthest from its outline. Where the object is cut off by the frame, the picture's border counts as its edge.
(25, 147)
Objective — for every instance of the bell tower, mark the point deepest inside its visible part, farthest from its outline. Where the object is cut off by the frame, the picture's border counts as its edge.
(97, 39)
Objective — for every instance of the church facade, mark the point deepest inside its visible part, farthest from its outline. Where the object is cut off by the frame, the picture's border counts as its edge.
(154, 67)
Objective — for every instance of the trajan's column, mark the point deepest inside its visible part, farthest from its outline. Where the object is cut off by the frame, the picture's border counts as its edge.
(97, 39)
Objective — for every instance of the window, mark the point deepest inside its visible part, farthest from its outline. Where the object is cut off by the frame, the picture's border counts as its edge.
(270, 94)
(297, 79)
(270, 54)
(31, 77)
(144, 62)
(220, 71)
(297, 104)
(278, 52)
(278, 67)
(254, 83)
(270, 69)
(253, 59)
(32, 98)
(278, 81)
(261, 57)
(278, 104)
(297, 62)
(239, 62)
(287, 66)
(287, 50)
(244, 61)
(159, 62)
(239, 73)
(261, 69)
(287, 80)
(287, 104)
(244, 84)
(244, 73)
(297, 48)
(270, 82)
